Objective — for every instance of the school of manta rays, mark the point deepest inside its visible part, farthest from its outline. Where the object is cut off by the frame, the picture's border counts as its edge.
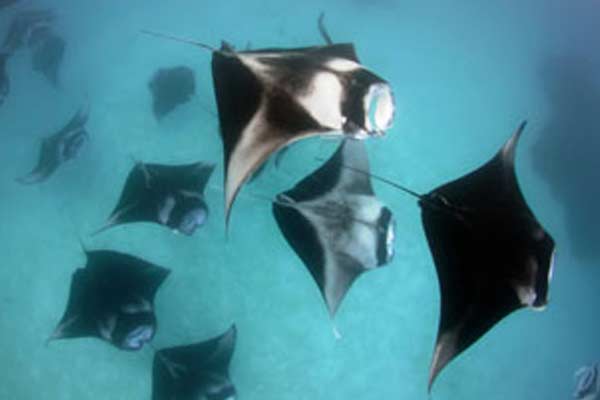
(267, 99)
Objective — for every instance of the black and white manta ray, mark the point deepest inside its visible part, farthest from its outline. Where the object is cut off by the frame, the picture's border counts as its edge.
(270, 98)
(62, 146)
(112, 299)
(491, 254)
(197, 371)
(335, 224)
(169, 195)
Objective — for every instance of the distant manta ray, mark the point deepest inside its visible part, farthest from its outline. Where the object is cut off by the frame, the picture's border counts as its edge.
(59, 148)
(168, 195)
(195, 371)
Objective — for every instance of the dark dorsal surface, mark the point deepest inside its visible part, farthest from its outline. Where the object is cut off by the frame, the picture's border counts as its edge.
(335, 224)
(491, 254)
(59, 147)
(196, 371)
(112, 298)
(169, 195)
(269, 98)
(170, 88)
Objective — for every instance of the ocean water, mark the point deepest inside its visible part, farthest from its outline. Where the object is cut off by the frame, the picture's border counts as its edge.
(464, 73)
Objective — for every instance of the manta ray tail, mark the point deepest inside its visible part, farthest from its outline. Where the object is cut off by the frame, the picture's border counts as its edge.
(383, 180)
(179, 39)
(323, 30)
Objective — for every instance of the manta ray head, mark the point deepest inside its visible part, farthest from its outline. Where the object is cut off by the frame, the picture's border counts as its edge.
(134, 329)
(73, 144)
(188, 214)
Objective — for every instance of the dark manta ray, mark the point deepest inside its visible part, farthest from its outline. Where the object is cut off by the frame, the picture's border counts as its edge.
(491, 254)
(169, 195)
(336, 225)
(48, 52)
(112, 298)
(62, 146)
(268, 99)
(170, 88)
(197, 371)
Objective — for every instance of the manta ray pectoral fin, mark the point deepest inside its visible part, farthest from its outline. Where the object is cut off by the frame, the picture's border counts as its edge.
(30, 179)
(508, 151)
(59, 332)
(445, 350)
(114, 219)
(337, 282)
(225, 344)
(204, 172)
(244, 161)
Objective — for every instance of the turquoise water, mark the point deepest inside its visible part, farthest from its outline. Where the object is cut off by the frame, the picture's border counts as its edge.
(464, 75)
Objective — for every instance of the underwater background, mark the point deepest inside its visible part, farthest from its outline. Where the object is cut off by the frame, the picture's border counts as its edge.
(464, 74)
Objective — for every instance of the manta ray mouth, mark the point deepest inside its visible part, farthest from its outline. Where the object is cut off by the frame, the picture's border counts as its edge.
(386, 225)
(551, 269)
(390, 238)
(136, 339)
(379, 109)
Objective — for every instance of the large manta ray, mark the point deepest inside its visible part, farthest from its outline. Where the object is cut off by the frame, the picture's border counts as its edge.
(491, 254)
(168, 195)
(112, 298)
(335, 224)
(270, 98)
(60, 147)
(196, 371)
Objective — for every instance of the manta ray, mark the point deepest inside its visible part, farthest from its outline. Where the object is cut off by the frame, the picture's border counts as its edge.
(270, 98)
